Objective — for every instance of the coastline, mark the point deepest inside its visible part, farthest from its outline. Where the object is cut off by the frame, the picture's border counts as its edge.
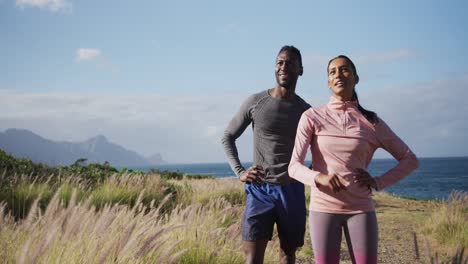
(433, 180)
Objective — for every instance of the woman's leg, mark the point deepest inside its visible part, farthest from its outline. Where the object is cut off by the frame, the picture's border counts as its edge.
(325, 233)
(361, 234)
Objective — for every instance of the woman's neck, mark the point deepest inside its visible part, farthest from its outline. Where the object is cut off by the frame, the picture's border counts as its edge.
(343, 98)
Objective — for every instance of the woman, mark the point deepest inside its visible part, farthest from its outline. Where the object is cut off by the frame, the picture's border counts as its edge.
(343, 136)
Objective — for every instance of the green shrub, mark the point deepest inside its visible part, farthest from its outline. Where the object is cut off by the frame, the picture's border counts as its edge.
(198, 176)
(91, 173)
(111, 194)
(167, 175)
(19, 198)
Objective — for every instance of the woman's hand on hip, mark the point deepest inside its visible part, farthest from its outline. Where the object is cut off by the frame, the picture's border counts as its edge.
(330, 181)
(363, 178)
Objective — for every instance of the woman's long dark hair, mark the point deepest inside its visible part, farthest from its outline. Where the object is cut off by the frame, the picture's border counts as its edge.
(369, 115)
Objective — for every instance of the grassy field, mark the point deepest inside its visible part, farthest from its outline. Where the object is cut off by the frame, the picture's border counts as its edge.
(145, 219)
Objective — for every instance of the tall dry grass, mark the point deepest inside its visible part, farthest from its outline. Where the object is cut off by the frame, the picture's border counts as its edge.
(202, 224)
(132, 219)
(447, 227)
(448, 223)
(204, 190)
(79, 233)
(20, 191)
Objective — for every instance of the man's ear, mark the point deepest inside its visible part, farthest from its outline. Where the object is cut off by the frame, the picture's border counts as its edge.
(301, 71)
(357, 79)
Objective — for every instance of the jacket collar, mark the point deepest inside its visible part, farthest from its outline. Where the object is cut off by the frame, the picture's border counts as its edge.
(336, 104)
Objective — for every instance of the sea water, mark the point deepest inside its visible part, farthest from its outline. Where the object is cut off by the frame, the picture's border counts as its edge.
(435, 178)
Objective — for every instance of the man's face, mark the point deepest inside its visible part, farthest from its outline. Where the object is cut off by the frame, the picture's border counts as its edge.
(287, 69)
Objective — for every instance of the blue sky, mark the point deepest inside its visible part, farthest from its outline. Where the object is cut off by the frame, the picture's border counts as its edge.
(167, 76)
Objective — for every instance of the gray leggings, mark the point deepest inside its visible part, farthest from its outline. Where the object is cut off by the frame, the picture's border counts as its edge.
(360, 231)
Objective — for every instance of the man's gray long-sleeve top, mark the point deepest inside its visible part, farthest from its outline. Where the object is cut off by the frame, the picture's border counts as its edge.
(274, 122)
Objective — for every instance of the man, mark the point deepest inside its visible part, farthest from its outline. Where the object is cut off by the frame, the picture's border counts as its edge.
(272, 196)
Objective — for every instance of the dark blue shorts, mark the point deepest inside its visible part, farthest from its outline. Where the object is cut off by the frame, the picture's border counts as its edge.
(268, 204)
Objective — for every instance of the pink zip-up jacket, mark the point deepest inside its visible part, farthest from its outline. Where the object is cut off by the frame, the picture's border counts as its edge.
(342, 140)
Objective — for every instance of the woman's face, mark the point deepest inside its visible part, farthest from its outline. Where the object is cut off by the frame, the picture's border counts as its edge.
(341, 79)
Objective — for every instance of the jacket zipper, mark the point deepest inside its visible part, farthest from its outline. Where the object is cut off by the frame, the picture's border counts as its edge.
(344, 119)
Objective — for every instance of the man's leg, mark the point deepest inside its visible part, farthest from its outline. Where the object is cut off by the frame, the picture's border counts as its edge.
(287, 253)
(257, 222)
(291, 215)
(254, 251)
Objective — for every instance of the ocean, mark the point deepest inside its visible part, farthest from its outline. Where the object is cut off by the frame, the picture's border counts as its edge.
(435, 178)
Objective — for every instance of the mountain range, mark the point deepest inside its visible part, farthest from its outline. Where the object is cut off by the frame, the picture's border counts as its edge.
(22, 143)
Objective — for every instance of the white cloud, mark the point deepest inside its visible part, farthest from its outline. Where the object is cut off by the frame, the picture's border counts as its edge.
(87, 54)
(181, 128)
(432, 118)
(387, 56)
(95, 55)
(52, 5)
(211, 130)
(316, 64)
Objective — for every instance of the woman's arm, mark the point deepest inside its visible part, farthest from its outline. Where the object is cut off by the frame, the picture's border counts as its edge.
(297, 169)
(407, 161)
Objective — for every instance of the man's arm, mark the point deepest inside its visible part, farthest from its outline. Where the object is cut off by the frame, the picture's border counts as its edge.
(236, 127)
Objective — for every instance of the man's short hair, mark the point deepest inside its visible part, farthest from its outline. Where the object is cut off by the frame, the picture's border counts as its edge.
(293, 50)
